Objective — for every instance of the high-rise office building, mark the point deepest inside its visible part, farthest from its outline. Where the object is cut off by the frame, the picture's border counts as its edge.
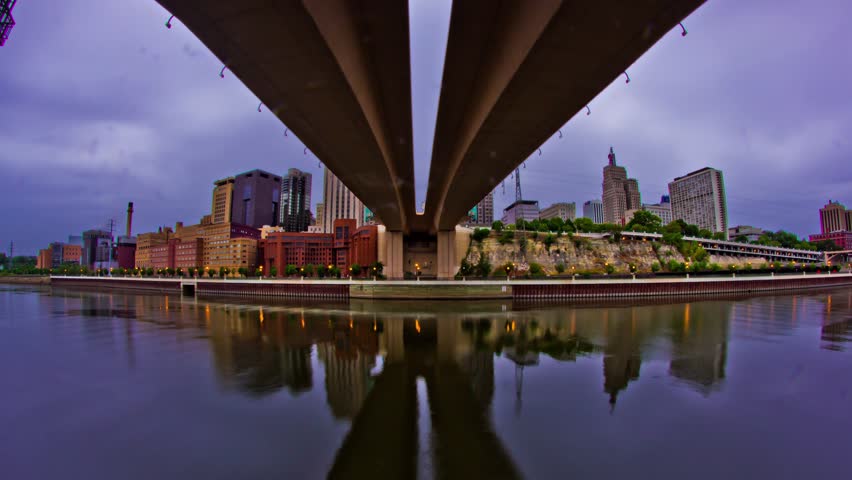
(593, 210)
(320, 214)
(255, 198)
(698, 198)
(339, 203)
(97, 245)
(295, 201)
(619, 192)
(834, 217)
(521, 210)
(662, 209)
(483, 212)
(223, 196)
(563, 210)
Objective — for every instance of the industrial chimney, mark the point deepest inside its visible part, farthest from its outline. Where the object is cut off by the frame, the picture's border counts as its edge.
(129, 218)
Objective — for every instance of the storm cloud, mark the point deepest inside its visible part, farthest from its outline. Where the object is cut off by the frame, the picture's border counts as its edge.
(101, 105)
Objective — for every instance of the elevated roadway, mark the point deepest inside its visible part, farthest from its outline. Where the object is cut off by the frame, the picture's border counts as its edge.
(336, 72)
(517, 71)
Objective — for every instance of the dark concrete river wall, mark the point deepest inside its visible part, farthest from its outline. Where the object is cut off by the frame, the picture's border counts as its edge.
(469, 290)
(674, 287)
(274, 289)
(147, 285)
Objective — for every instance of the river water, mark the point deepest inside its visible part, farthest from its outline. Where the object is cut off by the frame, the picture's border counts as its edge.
(115, 385)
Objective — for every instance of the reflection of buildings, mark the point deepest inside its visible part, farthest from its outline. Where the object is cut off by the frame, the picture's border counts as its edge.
(347, 379)
(247, 358)
(296, 369)
(260, 350)
(622, 357)
(700, 346)
(837, 322)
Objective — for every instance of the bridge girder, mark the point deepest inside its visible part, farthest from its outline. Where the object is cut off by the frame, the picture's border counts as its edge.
(515, 72)
(336, 73)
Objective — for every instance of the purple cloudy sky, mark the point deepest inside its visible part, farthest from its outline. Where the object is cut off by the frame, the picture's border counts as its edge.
(102, 105)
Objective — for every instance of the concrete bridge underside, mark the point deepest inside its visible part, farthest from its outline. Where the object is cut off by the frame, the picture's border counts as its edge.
(337, 73)
(517, 71)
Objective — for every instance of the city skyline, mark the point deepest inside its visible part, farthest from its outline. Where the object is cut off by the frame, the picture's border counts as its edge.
(159, 116)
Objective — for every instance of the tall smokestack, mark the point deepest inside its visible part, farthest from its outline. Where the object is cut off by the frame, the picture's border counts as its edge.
(129, 218)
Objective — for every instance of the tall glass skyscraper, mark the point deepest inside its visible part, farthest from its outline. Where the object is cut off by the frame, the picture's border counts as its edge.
(296, 201)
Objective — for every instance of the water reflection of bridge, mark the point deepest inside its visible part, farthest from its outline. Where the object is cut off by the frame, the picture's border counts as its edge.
(453, 354)
(261, 350)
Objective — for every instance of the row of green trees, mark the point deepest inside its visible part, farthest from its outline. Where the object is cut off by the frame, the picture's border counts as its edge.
(321, 271)
(646, 222)
(19, 265)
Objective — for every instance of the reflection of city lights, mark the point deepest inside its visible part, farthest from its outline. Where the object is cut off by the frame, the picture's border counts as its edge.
(303, 323)
(374, 326)
(417, 325)
(513, 325)
(686, 319)
(261, 315)
(350, 323)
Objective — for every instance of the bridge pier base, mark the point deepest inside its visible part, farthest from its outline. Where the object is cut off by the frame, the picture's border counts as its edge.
(452, 246)
(390, 254)
(432, 256)
(447, 264)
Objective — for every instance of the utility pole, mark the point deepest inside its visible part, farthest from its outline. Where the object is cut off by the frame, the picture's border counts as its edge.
(111, 227)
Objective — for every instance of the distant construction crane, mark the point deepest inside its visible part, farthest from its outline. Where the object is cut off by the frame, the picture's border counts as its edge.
(6, 19)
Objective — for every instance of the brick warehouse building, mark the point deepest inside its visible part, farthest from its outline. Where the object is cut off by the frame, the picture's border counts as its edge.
(203, 246)
(348, 245)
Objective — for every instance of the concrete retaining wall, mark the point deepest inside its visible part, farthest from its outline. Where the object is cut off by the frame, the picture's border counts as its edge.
(25, 279)
(469, 290)
(675, 287)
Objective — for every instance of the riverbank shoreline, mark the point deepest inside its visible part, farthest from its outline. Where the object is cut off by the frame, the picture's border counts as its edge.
(25, 279)
(462, 290)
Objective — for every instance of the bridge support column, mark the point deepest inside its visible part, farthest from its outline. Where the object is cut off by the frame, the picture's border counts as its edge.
(452, 246)
(390, 254)
(446, 254)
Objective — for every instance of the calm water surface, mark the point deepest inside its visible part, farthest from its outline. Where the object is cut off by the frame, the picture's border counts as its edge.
(113, 385)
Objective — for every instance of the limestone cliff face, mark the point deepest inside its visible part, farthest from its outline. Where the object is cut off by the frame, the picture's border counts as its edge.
(585, 254)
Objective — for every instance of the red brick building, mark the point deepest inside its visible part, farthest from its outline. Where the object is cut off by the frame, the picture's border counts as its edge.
(72, 253)
(163, 256)
(45, 258)
(348, 245)
(364, 248)
(841, 239)
(189, 253)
